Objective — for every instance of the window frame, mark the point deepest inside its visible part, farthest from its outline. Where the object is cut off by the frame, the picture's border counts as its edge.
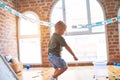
(89, 31)
(28, 36)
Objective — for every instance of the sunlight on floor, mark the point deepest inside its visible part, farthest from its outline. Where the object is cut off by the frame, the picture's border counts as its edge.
(73, 73)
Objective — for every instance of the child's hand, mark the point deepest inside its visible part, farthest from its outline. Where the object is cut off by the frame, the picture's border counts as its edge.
(75, 58)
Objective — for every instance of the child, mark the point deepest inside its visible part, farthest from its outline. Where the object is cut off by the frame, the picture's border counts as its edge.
(54, 50)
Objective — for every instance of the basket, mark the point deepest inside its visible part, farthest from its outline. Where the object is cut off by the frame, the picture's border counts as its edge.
(100, 69)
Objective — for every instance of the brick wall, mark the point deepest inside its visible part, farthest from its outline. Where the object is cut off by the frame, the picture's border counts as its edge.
(43, 8)
(111, 10)
(8, 39)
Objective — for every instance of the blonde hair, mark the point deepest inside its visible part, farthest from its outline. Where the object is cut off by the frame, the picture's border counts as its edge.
(60, 24)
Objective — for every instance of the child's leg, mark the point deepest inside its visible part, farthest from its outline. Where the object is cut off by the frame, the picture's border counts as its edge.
(59, 64)
(59, 72)
(56, 70)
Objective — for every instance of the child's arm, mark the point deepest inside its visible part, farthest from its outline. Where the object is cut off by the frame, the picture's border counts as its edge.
(71, 52)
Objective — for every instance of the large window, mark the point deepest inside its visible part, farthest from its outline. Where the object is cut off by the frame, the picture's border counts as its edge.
(88, 44)
(29, 40)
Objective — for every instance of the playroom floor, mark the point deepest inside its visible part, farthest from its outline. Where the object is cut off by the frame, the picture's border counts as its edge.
(73, 73)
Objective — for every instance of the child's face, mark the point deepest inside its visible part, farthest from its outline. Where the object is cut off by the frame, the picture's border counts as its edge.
(62, 30)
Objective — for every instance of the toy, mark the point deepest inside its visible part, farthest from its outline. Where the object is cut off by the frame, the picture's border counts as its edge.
(23, 67)
(27, 66)
(118, 64)
(115, 63)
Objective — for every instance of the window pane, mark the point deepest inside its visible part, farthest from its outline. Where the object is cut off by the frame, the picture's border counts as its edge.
(27, 27)
(75, 13)
(29, 40)
(57, 14)
(96, 15)
(30, 51)
(86, 47)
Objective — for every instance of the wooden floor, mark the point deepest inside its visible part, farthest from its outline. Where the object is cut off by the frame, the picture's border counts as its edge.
(74, 73)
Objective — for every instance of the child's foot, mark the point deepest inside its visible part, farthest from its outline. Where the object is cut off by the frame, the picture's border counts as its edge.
(52, 78)
(56, 78)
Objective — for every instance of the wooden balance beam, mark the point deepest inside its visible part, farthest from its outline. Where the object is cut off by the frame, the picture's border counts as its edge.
(114, 72)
